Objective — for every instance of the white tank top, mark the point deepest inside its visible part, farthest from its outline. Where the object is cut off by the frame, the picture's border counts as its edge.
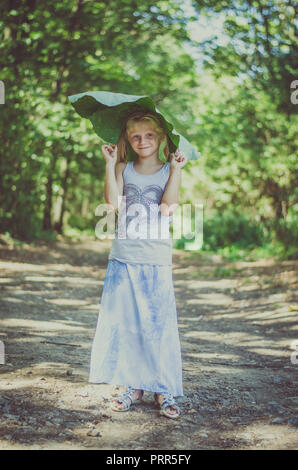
(142, 234)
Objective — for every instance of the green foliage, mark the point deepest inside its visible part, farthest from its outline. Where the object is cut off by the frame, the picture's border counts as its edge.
(235, 108)
(50, 161)
(262, 45)
(230, 228)
(231, 234)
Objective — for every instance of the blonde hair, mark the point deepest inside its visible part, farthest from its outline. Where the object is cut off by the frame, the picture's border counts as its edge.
(138, 116)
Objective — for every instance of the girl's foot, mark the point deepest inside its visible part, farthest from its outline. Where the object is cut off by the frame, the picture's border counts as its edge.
(168, 406)
(129, 397)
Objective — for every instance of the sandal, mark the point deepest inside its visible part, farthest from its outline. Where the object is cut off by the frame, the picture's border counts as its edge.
(127, 399)
(168, 400)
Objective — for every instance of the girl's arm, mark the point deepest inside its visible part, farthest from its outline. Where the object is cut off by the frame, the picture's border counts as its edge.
(170, 199)
(113, 185)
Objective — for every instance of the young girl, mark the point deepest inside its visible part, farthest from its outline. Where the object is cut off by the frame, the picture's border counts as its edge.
(136, 343)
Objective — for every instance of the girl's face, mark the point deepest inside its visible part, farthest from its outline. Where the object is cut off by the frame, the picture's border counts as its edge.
(144, 139)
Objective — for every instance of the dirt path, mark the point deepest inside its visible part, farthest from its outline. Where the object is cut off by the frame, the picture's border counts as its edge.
(236, 321)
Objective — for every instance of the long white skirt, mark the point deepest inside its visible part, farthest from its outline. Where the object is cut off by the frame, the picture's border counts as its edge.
(136, 341)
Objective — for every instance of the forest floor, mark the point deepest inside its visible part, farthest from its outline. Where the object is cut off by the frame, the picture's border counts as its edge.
(238, 328)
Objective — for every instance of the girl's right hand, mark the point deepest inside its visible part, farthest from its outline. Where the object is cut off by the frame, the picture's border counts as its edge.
(110, 153)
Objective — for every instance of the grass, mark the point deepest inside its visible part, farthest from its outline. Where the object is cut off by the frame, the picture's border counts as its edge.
(234, 252)
(76, 234)
(223, 272)
(230, 253)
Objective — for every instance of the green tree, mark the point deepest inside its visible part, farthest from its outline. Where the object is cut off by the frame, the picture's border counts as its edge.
(49, 53)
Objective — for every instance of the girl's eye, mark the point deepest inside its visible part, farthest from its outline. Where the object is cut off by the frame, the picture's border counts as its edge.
(136, 136)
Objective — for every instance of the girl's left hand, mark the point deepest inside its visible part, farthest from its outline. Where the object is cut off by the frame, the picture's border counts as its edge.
(179, 159)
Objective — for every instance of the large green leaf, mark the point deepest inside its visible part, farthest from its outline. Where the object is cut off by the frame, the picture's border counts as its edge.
(107, 112)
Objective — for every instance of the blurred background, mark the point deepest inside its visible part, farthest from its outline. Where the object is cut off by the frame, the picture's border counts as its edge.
(220, 71)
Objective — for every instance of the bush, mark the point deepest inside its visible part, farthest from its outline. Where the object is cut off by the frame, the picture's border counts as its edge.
(230, 228)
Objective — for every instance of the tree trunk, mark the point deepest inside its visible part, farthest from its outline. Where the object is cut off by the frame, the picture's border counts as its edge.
(47, 214)
(59, 224)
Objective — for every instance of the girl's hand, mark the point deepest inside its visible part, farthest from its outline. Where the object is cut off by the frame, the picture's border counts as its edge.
(110, 153)
(179, 159)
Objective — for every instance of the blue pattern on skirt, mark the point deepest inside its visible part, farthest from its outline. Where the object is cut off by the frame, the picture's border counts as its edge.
(136, 341)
